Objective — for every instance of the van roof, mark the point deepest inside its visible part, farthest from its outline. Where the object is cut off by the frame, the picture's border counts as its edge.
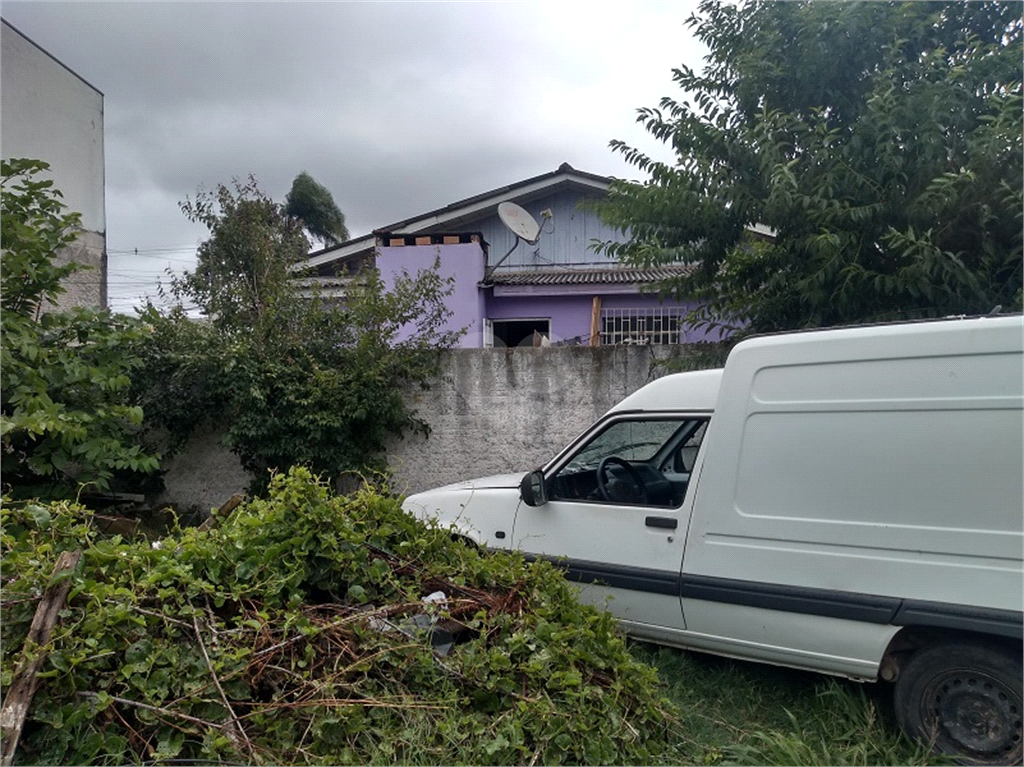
(693, 391)
(997, 316)
(698, 390)
(915, 338)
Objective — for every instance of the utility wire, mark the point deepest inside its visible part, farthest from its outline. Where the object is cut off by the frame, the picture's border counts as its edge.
(146, 251)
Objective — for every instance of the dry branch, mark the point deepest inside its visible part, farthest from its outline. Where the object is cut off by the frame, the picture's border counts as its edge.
(233, 729)
(222, 513)
(23, 687)
(154, 709)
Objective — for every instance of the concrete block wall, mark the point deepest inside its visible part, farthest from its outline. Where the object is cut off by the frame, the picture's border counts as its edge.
(203, 475)
(495, 411)
(490, 411)
(86, 287)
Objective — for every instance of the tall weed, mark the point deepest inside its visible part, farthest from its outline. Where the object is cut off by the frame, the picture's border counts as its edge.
(733, 712)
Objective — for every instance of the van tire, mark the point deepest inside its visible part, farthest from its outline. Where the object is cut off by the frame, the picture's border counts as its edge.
(965, 700)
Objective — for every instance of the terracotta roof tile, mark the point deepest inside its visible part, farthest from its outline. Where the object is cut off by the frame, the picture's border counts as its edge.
(600, 276)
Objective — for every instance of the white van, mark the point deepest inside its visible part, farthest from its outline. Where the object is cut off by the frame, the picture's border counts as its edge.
(847, 501)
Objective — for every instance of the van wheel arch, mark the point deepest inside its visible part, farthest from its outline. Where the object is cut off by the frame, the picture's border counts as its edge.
(912, 639)
(959, 692)
(460, 538)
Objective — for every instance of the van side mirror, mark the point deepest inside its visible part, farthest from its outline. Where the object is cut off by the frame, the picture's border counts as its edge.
(532, 489)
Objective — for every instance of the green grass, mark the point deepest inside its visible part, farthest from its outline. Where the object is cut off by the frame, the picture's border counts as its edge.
(744, 713)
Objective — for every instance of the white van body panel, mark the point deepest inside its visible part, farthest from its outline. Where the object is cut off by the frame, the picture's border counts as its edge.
(878, 460)
(852, 649)
(480, 510)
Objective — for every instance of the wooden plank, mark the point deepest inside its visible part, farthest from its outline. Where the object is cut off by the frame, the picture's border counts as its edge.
(595, 322)
(23, 687)
(222, 513)
(451, 239)
(424, 240)
(127, 497)
(394, 242)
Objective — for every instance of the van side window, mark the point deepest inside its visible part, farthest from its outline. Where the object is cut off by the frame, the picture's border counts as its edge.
(681, 460)
(635, 461)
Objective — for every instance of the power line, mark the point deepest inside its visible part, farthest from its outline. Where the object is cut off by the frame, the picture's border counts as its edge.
(135, 273)
(122, 281)
(124, 255)
(144, 251)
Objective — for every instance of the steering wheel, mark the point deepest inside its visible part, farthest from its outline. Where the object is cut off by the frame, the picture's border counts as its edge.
(634, 476)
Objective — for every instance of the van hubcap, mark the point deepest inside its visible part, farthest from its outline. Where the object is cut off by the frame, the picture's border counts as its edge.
(977, 713)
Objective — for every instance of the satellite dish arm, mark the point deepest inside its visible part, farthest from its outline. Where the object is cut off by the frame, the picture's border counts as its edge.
(490, 269)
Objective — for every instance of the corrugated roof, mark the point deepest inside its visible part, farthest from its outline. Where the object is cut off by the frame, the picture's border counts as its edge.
(605, 276)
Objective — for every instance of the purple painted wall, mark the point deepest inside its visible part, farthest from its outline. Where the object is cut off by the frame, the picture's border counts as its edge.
(570, 314)
(463, 261)
(568, 307)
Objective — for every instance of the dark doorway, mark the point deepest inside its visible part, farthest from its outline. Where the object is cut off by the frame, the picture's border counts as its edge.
(519, 332)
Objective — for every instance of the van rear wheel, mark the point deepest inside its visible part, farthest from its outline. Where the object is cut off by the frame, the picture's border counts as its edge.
(965, 700)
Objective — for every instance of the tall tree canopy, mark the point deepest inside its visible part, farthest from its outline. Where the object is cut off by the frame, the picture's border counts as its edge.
(314, 205)
(242, 270)
(880, 142)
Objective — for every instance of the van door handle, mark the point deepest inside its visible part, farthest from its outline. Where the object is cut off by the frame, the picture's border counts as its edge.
(667, 523)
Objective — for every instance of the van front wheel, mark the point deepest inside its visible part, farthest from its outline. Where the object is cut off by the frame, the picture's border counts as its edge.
(964, 699)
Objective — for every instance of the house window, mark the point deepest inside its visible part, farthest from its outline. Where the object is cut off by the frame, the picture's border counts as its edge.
(520, 332)
(640, 326)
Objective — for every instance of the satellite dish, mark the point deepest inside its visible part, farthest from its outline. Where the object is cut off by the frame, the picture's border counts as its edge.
(519, 222)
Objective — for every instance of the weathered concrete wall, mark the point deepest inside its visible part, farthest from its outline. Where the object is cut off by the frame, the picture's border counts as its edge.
(203, 475)
(509, 410)
(86, 287)
(490, 411)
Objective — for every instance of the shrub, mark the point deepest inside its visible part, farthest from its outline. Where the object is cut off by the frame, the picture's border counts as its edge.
(66, 419)
(296, 632)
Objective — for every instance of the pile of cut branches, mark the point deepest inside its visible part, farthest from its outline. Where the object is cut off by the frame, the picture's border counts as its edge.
(309, 628)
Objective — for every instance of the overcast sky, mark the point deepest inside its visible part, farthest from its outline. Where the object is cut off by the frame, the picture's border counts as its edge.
(396, 107)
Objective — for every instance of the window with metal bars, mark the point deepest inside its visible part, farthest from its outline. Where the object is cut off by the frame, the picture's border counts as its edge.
(640, 326)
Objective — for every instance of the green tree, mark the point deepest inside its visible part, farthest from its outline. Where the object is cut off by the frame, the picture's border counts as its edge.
(242, 270)
(314, 205)
(292, 379)
(880, 142)
(66, 419)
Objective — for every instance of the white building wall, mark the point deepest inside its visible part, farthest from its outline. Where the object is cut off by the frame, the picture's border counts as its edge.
(49, 113)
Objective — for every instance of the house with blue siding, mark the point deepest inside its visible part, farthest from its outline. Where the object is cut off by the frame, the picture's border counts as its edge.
(556, 290)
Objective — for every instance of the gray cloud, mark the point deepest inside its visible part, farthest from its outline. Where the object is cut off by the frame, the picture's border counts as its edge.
(396, 107)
